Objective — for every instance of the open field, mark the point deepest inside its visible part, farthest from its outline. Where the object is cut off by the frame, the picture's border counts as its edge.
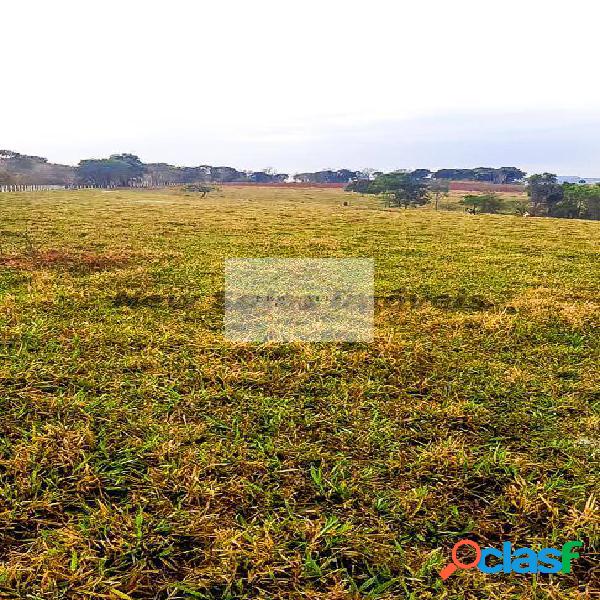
(143, 456)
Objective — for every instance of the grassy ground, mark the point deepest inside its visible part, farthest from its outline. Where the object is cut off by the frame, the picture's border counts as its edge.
(143, 456)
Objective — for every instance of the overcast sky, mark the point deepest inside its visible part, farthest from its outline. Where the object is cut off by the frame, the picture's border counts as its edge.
(303, 85)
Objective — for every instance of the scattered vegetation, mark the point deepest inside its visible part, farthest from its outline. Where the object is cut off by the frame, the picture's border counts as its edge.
(546, 196)
(143, 456)
(569, 200)
(198, 189)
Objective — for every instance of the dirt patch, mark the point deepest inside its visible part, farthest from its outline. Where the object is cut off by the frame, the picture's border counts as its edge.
(485, 186)
(291, 185)
(82, 262)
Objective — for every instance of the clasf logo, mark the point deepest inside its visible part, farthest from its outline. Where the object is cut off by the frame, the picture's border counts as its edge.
(521, 560)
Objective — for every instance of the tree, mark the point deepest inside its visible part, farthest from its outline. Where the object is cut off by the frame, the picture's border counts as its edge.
(483, 203)
(136, 166)
(545, 193)
(439, 188)
(522, 207)
(198, 188)
(401, 189)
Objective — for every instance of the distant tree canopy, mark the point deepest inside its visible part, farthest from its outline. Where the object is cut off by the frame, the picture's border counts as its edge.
(266, 176)
(483, 203)
(127, 169)
(118, 170)
(27, 170)
(420, 173)
(328, 176)
(484, 174)
(16, 156)
(489, 174)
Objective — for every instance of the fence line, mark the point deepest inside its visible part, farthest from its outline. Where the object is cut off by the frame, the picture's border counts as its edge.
(30, 188)
(45, 187)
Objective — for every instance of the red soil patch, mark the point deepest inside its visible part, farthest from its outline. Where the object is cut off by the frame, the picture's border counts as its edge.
(484, 186)
(466, 186)
(85, 262)
(284, 185)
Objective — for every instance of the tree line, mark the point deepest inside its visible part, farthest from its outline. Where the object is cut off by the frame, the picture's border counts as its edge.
(121, 170)
(118, 169)
(127, 169)
(483, 174)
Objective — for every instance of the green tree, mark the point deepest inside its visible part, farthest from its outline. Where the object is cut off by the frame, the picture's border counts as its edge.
(544, 192)
(522, 207)
(483, 203)
(401, 189)
(198, 188)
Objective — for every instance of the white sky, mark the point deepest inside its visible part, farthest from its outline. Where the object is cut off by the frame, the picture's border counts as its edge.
(302, 85)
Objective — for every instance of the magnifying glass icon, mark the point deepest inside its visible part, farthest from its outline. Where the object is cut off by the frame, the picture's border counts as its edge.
(457, 564)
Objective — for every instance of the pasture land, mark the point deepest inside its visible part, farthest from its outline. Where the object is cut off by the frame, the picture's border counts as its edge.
(143, 456)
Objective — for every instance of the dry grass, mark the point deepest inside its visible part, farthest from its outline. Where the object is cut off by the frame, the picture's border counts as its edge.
(143, 456)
